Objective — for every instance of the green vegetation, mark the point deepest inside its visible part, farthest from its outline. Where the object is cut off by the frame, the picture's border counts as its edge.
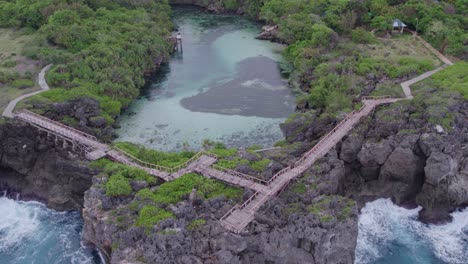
(434, 97)
(15, 76)
(119, 176)
(292, 209)
(232, 163)
(299, 188)
(100, 49)
(22, 84)
(129, 172)
(342, 208)
(151, 215)
(195, 224)
(156, 157)
(149, 203)
(454, 78)
(174, 191)
(118, 185)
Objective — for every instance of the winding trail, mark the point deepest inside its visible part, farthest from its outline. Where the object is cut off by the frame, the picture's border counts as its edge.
(8, 112)
(204, 163)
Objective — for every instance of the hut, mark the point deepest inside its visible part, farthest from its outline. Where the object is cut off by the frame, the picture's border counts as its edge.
(398, 25)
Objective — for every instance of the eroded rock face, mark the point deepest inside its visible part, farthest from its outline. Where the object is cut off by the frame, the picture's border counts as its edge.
(41, 169)
(438, 167)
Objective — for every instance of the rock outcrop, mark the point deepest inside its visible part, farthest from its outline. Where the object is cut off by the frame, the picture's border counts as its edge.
(39, 168)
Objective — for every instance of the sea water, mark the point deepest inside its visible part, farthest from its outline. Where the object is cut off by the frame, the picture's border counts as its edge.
(226, 86)
(389, 234)
(30, 233)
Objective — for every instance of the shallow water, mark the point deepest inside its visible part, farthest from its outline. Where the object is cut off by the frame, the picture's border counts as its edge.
(390, 234)
(30, 233)
(225, 86)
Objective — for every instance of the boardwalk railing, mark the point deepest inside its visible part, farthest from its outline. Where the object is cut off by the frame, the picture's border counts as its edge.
(45, 119)
(239, 174)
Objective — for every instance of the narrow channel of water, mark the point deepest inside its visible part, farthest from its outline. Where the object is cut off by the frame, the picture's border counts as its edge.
(389, 234)
(31, 233)
(225, 86)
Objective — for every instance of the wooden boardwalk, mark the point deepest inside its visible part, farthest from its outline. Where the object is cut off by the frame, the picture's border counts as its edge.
(204, 163)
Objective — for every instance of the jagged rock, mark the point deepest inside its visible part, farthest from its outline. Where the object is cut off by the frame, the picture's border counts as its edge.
(439, 166)
(246, 169)
(374, 154)
(370, 173)
(403, 166)
(138, 185)
(272, 169)
(350, 148)
(42, 170)
(438, 201)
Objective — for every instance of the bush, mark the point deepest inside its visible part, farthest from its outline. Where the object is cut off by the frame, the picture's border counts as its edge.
(260, 165)
(118, 185)
(360, 35)
(129, 172)
(151, 215)
(174, 191)
(9, 64)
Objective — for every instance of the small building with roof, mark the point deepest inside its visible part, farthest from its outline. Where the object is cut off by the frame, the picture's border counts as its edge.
(398, 25)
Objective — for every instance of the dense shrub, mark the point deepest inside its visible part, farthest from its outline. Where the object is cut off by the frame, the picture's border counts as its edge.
(118, 185)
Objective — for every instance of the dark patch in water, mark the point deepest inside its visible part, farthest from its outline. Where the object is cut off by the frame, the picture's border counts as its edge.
(255, 91)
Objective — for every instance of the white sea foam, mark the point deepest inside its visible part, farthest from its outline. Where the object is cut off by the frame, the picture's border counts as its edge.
(31, 233)
(387, 231)
(17, 223)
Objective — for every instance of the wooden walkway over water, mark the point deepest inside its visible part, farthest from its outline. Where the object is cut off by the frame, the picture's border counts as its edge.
(204, 163)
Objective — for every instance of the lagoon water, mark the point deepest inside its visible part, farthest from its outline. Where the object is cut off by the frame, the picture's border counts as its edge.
(30, 233)
(225, 86)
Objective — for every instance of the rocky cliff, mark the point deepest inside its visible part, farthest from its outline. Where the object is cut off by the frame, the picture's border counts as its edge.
(307, 223)
(398, 153)
(40, 168)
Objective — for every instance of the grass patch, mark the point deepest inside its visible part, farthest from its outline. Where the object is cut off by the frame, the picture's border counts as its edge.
(12, 44)
(260, 165)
